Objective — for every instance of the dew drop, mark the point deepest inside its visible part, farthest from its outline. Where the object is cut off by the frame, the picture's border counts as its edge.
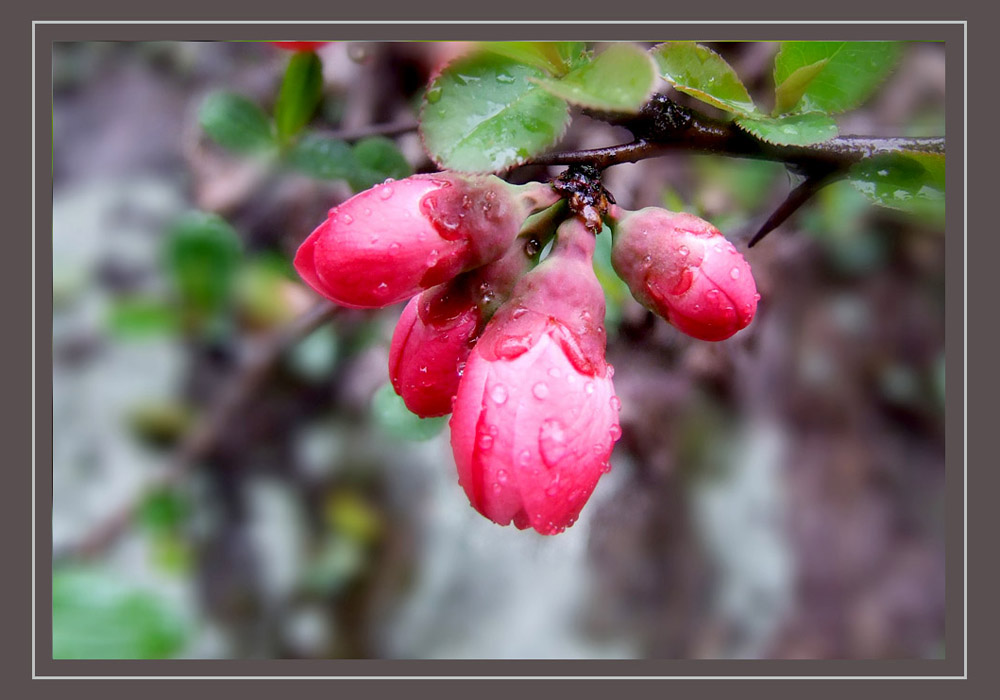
(615, 432)
(589, 387)
(713, 294)
(347, 219)
(519, 312)
(433, 95)
(616, 403)
(385, 192)
(368, 212)
(735, 273)
(611, 370)
(524, 458)
(382, 286)
(540, 390)
(554, 372)
(683, 251)
(497, 488)
(756, 297)
(502, 476)
(552, 441)
(486, 442)
(394, 249)
(499, 394)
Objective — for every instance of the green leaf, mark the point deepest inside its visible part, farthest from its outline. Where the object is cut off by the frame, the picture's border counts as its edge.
(615, 290)
(236, 123)
(790, 91)
(395, 418)
(97, 616)
(321, 157)
(792, 130)
(909, 181)
(163, 510)
(621, 80)
(141, 317)
(483, 113)
(202, 253)
(852, 71)
(301, 92)
(375, 160)
(555, 57)
(700, 72)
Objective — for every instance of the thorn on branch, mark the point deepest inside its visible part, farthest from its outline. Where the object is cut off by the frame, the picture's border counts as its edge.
(795, 199)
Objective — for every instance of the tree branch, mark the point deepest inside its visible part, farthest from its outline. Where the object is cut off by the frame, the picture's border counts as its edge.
(199, 442)
(664, 127)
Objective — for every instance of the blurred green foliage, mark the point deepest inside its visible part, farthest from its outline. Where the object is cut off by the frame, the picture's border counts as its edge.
(98, 616)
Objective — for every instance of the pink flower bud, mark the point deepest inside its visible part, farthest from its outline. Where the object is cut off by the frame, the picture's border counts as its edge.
(437, 329)
(299, 45)
(682, 268)
(392, 241)
(536, 415)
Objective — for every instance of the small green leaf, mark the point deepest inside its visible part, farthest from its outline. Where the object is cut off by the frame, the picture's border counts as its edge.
(790, 91)
(550, 56)
(377, 159)
(141, 317)
(202, 252)
(236, 123)
(483, 114)
(322, 157)
(698, 71)
(909, 181)
(621, 80)
(395, 418)
(97, 616)
(792, 130)
(852, 71)
(301, 92)
(163, 510)
(615, 290)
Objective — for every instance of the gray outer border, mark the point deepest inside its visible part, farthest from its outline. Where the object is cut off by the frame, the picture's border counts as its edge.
(18, 653)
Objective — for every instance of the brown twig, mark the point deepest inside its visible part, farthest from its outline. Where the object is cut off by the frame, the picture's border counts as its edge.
(199, 442)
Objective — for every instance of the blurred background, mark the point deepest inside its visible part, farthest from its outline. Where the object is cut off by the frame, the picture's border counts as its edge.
(234, 477)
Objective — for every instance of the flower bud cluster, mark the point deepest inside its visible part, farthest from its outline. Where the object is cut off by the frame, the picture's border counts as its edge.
(514, 348)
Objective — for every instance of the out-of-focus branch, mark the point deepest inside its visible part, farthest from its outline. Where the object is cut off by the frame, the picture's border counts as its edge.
(391, 129)
(261, 360)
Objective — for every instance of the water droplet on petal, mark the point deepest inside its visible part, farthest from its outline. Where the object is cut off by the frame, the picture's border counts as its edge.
(540, 390)
(499, 394)
(735, 273)
(554, 372)
(519, 312)
(552, 441)
(385, 192)
(347, 219)
(615, 432)
(394, 249)
(683, 251)
(589, 387)
(497, 488)
(502, 476)
(524, 458)
(485, 442)
(616, 403)
(756, 297)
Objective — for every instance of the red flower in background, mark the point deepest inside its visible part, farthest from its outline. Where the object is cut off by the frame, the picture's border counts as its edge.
(299, 45)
